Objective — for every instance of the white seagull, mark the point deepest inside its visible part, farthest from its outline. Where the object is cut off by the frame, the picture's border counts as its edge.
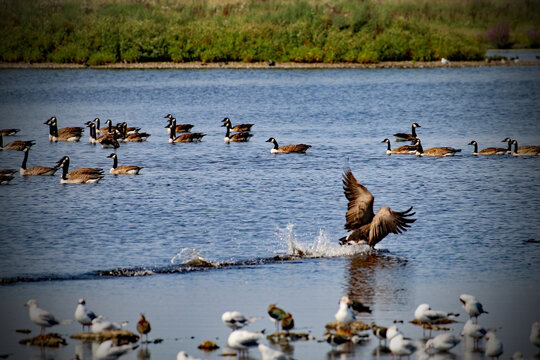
(425, 314)
(182, 355)
(108, 350)
(235, 320)
(535, 334)
(271, 354)
(83, 315)
(99, 324)
(494, 347)
(345, 315)
(442, 342)
(399, 345)
(42, 317)
(474, 331)
(243, 339)
(472, 306)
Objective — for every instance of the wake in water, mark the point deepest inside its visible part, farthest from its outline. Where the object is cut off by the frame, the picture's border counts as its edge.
(188, 259)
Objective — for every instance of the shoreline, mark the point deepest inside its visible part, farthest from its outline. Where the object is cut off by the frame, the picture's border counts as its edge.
(277, 65)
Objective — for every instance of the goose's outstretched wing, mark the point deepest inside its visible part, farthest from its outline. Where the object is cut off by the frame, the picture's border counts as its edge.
(360, 207)
(388, 221)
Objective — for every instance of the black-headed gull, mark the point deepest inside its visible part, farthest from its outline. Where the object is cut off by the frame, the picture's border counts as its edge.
(442, 342)
(236, 320)
(42, 317)
(271, 354)
(535, 334)
(494, 347)
(472, 306)
(83, 315)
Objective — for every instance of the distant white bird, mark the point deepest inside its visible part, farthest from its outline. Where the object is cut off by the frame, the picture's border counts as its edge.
(474, 331)
(472, 306)
(83, 315)
(425, 314)
(243, 339)
(345, 315)
(182, 355)
(42, 317)
(235, 320)
(445, 61)
(494, 347)
(442, 342)
(535, 334)
(399, 345)
(108, 350)
(99, 324)
(271, 354)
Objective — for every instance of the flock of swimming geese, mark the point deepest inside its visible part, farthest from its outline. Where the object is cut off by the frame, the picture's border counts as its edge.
(111, 136)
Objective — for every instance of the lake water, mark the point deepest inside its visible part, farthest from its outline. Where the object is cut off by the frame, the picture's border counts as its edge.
(238, 207)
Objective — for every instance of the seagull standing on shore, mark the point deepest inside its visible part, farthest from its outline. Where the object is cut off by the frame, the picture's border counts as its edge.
(494, 347)
(42, 317)
(236, 320)
(443, 342)
(83, 315)
(242, 340)
(474, 331)
(399, 345)
(472, 306)
(425, 314)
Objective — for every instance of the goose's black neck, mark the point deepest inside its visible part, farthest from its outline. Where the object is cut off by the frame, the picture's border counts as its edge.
(23, 166)
(419, 148)
(509, 146)
(115, 163)
(65, 167)
(98, 123)
(413, 131)
(275, 144)
(228, 132)
(475, 148)
(515, 146)
(389, 149)
(1, 141)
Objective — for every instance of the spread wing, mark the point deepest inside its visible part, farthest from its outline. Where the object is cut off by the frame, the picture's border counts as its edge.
(360, 207)
(388, 221)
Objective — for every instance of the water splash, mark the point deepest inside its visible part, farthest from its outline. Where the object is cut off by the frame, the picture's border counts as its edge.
(190, 257)
(322, 246)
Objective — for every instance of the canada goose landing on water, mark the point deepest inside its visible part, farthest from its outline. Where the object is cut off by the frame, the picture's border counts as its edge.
(70, 134)
(365, 226)
(243, 136)
(487, 151)
(36, 170)
(9, 132)
(124, 169)
(434, 151)
(184, 138)
(528, 150)
(238, 127)
(405, 149)
(180, 128)
(17, 145)
(285, 149)
(408, 137)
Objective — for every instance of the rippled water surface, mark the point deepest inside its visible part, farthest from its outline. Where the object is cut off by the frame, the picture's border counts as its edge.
(244, 210)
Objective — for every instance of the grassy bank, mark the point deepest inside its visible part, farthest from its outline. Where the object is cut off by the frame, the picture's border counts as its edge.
(107, 31)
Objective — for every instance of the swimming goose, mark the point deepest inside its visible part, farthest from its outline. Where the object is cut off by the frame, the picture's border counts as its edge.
(70, 133)
(36, 170)
(434, 151)
(9, 132)
(78, 177)
(285, 149)
(106, 129)
(5, 179)
(238, 127)
(107, 140)
(243, 136)
(64, 162)
(527, 150)
(123, 169)
(408, 137)
(128, 130)
(184, 138)
(365, 226)
(405, 149)
(487, 151)
(180, 128)
(17, 145)
(7, 171)
(133, 137)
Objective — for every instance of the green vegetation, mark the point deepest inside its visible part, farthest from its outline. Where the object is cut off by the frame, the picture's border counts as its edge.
(109, 31)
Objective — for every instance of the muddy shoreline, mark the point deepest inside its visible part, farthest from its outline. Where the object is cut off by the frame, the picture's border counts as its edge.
(264, 65)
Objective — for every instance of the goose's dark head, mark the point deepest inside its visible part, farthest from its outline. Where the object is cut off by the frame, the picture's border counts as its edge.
(271, 140)
(507, 140)
(63, 160)
(385, 141)
(50, 120)
(112, 155)
(168, 116)
(168, 123)
(225, 119)
(416, 125)
(96, 120)
(473, 143)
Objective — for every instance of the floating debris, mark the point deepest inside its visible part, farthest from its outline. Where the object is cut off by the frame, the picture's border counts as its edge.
(123, 336)
(157, 341)
(284, 337)
(355, 327)
(434, 326)
(208, 346)
(49, 340)
(23, 331)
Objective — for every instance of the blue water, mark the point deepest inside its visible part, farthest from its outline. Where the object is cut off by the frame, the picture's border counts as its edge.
(238, 207)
